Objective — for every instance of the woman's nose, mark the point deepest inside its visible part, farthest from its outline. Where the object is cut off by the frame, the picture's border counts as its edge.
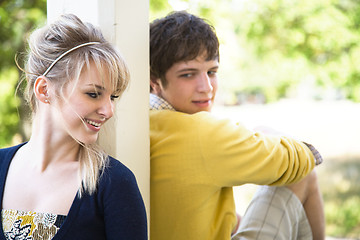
(106, 108)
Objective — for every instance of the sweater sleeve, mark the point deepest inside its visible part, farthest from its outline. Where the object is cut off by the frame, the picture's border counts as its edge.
(233, 155)
(124, 210)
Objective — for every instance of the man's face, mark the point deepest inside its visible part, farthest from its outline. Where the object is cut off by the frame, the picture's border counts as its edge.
(191, 85)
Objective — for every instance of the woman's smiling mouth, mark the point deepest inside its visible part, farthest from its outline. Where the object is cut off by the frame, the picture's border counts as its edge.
(93, 125)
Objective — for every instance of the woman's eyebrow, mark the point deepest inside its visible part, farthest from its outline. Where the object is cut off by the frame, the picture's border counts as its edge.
(96, 86)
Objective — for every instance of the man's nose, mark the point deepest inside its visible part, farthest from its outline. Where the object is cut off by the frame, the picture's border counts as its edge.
(204, 83)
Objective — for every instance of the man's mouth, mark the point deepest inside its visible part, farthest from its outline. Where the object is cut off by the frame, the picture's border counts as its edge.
(202, 101)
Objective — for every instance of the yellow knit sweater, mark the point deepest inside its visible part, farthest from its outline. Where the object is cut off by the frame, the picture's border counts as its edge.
(197, 159)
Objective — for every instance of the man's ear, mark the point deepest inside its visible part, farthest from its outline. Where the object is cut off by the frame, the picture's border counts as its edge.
(155, 85)
(41, 89)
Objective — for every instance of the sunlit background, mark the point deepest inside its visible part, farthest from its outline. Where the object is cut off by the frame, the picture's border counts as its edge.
(290, 65)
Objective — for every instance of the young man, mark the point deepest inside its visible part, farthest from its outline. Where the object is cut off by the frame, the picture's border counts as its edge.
(196, 158)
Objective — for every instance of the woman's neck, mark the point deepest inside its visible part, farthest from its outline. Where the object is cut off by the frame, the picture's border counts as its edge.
(48, 145)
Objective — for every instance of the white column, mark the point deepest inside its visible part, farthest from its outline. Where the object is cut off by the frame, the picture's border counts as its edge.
(126, 24)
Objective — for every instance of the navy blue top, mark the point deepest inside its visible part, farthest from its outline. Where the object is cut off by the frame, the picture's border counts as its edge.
(115, 211)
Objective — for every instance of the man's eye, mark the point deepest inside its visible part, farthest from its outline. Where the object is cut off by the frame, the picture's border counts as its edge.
(212, 72)
(186, 75)
(93, 95)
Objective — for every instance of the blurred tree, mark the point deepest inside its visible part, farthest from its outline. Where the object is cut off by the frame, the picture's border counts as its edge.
(17, 19)
(324, 35)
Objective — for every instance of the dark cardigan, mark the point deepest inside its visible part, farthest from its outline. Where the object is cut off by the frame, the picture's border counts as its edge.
(115, 211)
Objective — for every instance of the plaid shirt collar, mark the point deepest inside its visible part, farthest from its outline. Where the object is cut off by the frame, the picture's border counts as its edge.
(158, 103)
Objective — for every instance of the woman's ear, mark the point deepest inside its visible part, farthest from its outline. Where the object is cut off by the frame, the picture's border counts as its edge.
(41, 89)
(155, 85)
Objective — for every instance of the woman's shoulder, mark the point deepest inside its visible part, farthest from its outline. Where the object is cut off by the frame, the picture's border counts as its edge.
(8, 152)
(115, 165)
(116, 172)
(117, 179)
(6, 155)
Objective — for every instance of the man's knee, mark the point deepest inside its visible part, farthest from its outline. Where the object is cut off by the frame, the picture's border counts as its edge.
(305, 187)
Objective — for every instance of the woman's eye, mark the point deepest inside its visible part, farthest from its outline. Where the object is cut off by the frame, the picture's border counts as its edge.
(113, 97)
(93, 95)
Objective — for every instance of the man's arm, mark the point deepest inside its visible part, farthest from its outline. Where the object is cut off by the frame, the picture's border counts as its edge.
(236, 155)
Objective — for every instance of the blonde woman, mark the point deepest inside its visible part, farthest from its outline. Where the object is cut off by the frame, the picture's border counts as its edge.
(60, 184)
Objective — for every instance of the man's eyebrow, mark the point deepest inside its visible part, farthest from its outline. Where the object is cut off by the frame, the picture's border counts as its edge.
(187, 69)
(195, 69)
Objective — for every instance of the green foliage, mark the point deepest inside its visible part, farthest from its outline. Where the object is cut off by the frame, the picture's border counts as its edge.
(17, 19)
(321, 32)
(343, 218)
(8, 111)
(338, 180)
(159, 8)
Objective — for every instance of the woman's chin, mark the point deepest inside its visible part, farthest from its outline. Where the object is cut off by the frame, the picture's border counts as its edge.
(89, 140)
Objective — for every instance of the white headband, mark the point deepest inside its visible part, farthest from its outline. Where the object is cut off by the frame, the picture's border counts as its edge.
(68, 51)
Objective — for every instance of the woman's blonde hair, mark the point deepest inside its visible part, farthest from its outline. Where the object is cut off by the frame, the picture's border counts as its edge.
(46, 45)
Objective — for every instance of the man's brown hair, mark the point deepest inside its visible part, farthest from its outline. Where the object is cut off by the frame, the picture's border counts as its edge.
(180, 36)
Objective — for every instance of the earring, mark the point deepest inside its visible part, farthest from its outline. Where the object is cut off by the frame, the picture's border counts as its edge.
(46, 101)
